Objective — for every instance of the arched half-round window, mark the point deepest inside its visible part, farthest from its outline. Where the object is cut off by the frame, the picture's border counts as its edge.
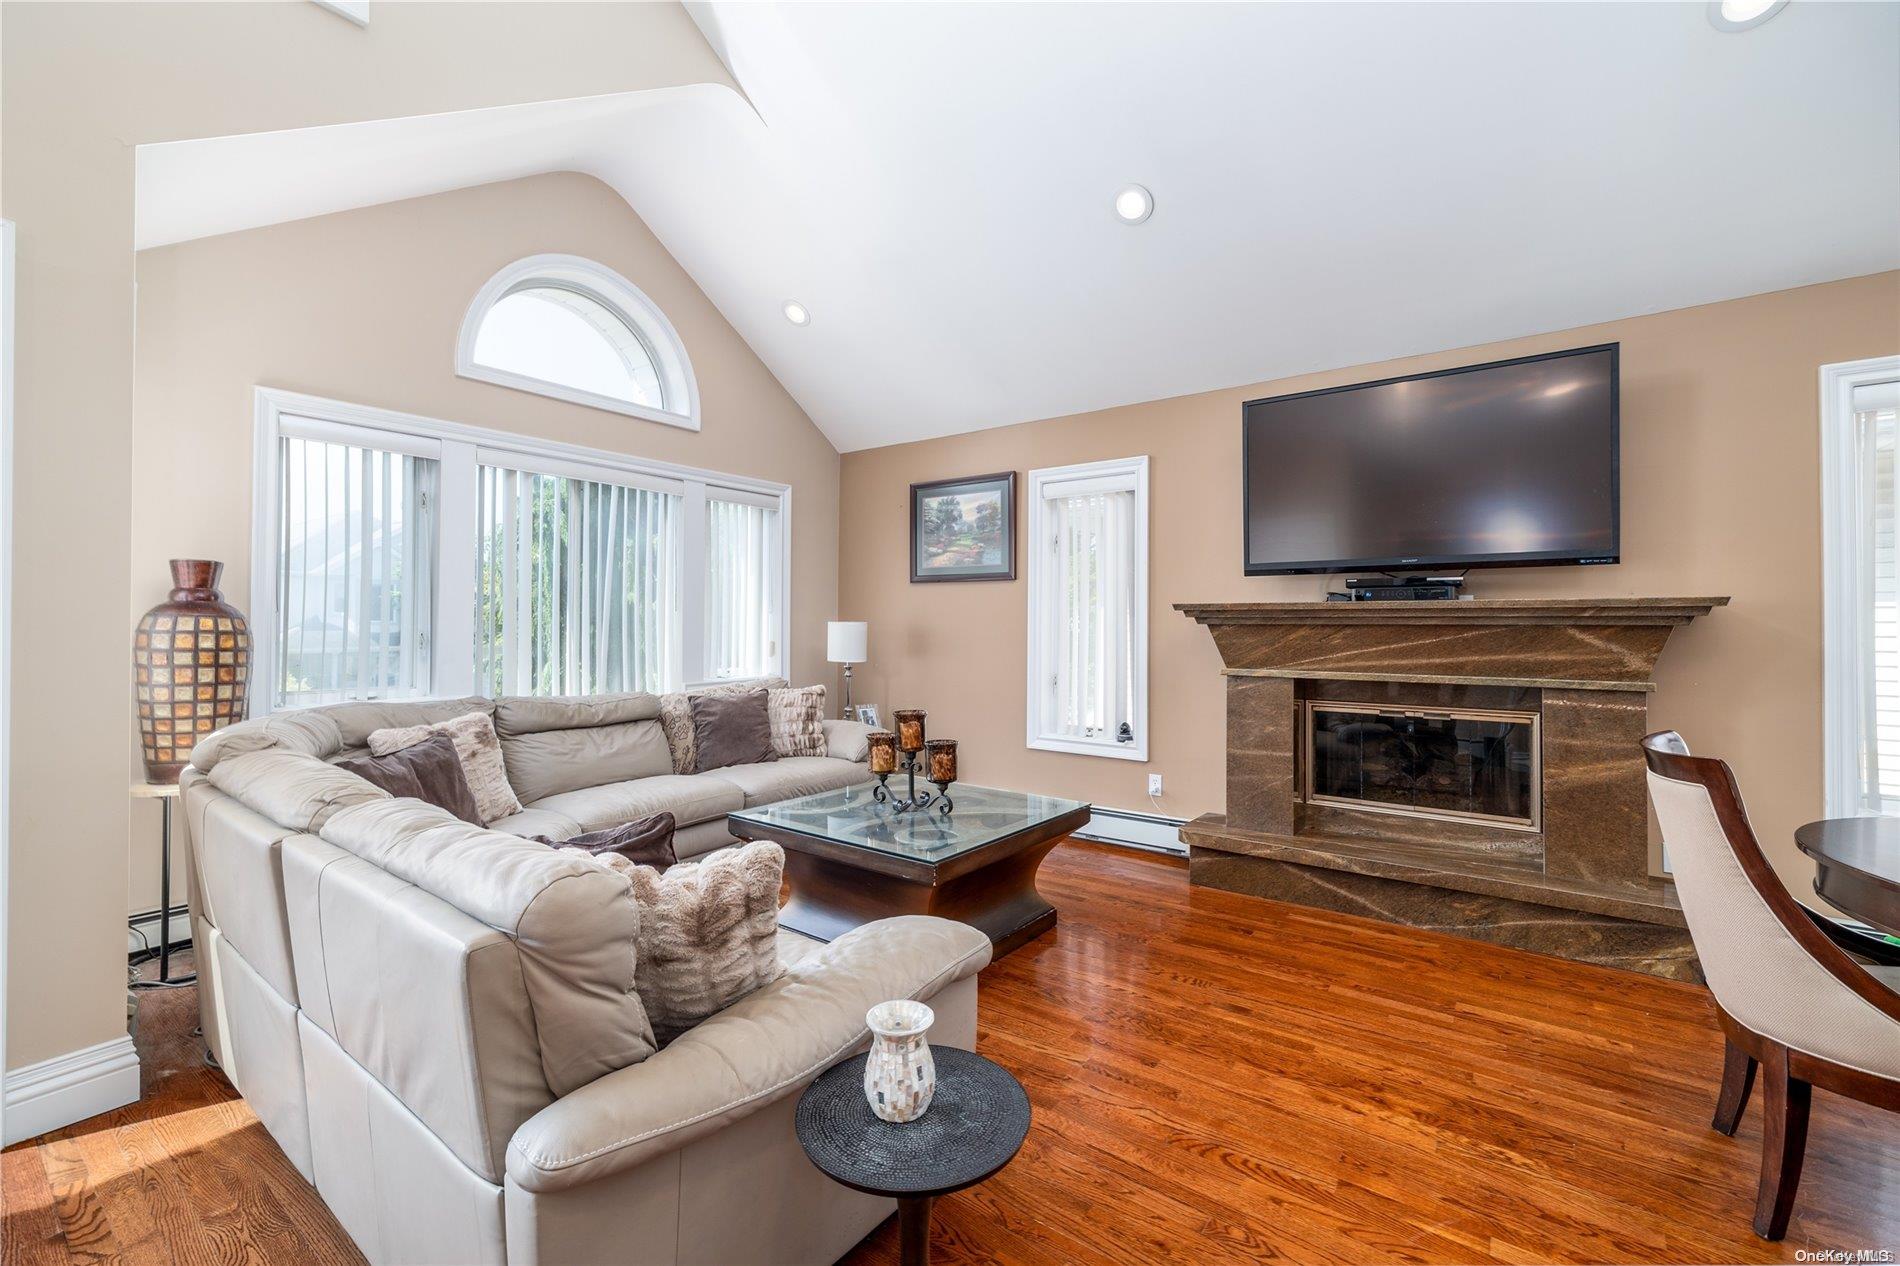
(566, 327)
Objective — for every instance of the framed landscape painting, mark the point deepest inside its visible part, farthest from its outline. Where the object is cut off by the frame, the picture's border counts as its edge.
(963, 529)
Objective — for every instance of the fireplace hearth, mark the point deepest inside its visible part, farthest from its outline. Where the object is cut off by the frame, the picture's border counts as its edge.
(1470, 767)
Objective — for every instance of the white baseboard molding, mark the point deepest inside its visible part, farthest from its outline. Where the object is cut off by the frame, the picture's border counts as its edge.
(142, 930)
(1150, 831)
(68, 1088)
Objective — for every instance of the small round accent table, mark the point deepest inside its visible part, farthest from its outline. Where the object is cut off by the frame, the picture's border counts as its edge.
(975, 1126)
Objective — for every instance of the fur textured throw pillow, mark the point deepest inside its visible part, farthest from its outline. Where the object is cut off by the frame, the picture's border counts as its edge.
(708, 932)
(798, 720)
(479, 751)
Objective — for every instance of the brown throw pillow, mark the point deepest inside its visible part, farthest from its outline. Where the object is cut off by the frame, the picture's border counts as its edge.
(480, 753)
(430, 771)
(648, 842)
(733, 729)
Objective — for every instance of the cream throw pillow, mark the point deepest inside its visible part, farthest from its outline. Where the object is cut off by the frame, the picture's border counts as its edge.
(476, 746)
(798, 720)
(708, 932)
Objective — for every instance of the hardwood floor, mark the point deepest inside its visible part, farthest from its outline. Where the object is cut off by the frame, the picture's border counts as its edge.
(1215, 1078)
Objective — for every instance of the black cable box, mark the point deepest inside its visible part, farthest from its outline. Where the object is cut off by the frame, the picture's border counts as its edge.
(1391, 589)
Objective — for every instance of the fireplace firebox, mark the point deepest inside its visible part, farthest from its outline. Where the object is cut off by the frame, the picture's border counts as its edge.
(1467, 765)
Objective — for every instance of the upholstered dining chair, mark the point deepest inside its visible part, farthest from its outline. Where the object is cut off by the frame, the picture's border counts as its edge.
(1790, 1001)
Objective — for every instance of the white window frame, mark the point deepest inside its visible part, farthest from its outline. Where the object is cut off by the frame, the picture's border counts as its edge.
(1844, 566)
(461, 449)
(619, 296)
(1041, 607)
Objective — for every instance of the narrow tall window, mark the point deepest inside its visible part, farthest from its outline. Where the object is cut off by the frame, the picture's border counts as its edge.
(353, 579)
(578, 586)
(1861, 431)
(1088, 574)
(742, 588)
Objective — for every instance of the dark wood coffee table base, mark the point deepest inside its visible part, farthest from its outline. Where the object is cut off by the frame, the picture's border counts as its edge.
(837, 887)
(830, 897)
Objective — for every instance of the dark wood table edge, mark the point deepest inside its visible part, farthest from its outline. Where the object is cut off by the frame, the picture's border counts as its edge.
(915, 869)
(1847, 886)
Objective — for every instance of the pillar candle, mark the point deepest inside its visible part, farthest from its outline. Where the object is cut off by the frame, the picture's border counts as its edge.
(910, 729)
(883, 751)
(943, 760)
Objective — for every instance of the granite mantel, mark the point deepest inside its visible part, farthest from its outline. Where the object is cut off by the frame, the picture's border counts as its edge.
(1561, 643)
(1579, 886)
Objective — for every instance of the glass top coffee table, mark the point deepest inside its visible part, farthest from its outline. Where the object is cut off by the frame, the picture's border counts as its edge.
(852, 860)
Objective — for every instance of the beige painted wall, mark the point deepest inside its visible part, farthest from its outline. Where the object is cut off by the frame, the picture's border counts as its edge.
(80, 86)
(1721, 495)
(364, 306)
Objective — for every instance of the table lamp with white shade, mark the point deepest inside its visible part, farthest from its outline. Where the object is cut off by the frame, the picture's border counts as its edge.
(845, 641)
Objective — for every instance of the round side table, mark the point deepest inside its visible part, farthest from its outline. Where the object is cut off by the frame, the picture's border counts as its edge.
(975, 1126)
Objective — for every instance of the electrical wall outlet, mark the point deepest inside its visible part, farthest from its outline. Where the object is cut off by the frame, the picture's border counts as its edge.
(1154, 784)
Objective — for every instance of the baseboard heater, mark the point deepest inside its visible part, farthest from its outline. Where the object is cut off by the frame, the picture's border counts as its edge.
(1152, 832)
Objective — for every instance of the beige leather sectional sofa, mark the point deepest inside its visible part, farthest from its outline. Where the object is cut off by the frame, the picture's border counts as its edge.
(437, 1021)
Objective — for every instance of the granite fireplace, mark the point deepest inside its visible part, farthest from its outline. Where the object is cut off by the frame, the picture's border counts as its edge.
(1466, 766)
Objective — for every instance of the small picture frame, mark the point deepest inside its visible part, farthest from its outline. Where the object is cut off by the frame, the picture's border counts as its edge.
(963, 529)
(867, 715)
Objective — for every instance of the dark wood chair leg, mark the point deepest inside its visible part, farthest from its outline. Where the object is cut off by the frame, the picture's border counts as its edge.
(1784, 1142)
(1738, 1078)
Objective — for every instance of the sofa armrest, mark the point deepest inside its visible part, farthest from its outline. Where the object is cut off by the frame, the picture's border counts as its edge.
(768, 1045)
(846, 740)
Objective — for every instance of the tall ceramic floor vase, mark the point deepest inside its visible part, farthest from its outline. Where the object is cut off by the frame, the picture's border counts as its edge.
(900, 1075)
(191, 658)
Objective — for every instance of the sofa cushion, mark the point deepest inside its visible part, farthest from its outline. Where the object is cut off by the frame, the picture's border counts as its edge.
(548, 762)
(798, 716)
(708, 932)
(574, 923)
(532, 822)
(479, 749)
(690, 799)
(793, 776)
(538, 714)
(290, 788)
(732, 730)
(430, 772)
(355, 722)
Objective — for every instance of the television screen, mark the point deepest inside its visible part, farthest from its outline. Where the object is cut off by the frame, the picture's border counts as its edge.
(1510, 463)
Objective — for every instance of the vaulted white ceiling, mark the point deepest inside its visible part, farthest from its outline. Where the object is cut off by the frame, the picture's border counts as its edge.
(1334, 184)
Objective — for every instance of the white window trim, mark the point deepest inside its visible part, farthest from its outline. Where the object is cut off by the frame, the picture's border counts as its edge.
(619, 295)
(1039, 647)
(460, 449)
(1844, 597)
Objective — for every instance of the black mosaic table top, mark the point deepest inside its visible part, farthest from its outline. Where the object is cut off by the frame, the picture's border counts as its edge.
(975, 1125)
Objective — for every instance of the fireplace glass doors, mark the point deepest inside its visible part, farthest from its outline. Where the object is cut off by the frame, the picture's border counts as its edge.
(1469, 765)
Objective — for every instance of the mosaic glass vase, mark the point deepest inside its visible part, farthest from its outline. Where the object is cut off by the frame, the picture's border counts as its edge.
(191, 661)
(900, 1076)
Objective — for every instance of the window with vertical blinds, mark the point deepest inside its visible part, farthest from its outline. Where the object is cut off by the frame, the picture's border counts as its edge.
(1876, 422)
(742, 567)
(353, 580)
(408, 557)
(578, 586)
(1088, 587)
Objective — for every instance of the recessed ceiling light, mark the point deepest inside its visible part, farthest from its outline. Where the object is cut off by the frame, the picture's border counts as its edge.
(796, 312)
(1741, 15)
(1134, 204)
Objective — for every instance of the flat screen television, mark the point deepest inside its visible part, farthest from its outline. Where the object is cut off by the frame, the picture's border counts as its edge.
(1513, 463)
